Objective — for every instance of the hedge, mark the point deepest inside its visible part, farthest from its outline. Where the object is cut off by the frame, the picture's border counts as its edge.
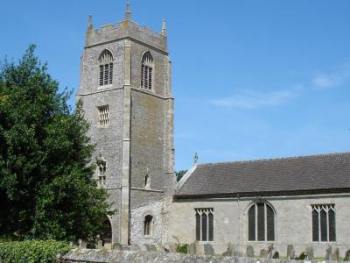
(32, 251)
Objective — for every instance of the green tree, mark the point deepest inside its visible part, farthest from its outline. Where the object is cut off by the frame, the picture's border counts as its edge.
(46, 185)
(180, 174)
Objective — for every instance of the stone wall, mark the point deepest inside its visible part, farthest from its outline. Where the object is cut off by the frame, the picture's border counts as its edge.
(293, 224)
(104, 256)
(159, 212)
(138, 140)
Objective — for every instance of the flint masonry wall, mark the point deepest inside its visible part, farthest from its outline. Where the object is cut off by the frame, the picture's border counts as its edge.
(108, 141)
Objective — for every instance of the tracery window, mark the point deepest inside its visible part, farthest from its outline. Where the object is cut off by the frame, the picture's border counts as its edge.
(204, 224)
(147, 71)
(261, 222)
(106, 68)
(148, 225)
(323, 223)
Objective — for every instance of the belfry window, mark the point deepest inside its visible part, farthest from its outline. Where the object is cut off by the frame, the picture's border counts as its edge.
(323, 223)
(106, 68)
(148, 225)
(147, 71)
(204, 224)
(261, 222)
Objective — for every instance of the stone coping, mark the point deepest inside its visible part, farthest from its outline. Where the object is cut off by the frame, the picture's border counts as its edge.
(114, 256)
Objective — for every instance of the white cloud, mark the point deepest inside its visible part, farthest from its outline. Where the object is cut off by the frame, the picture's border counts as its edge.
(249, 100)
(332, 79)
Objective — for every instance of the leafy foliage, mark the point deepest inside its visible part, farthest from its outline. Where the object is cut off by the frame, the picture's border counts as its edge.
(46, 185)
(182, 248)
(180, 174)
(32, 251)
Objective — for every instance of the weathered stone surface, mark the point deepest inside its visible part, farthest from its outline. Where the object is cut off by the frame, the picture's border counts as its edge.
(230, 250)
(329, 253)
(290, 252)
(192, 249)
(250, 252)
(209, 250)
(309, 252)
(263, 253)
(114, 256)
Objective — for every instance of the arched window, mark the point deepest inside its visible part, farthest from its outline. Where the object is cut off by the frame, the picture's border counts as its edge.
(261, 222)
(323, 223)
(147, 230)
(204, 224)
(147, 182)
(147, 71)
(106, 68)
(106, 235)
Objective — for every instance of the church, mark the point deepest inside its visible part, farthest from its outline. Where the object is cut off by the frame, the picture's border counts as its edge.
(279, 207)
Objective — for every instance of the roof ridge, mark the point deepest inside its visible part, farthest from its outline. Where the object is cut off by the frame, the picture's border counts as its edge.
(278, 158)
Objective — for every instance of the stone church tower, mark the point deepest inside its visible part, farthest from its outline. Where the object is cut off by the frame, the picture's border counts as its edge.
(125, 89)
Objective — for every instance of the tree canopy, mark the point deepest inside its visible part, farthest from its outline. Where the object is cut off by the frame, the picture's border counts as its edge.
(46, 185)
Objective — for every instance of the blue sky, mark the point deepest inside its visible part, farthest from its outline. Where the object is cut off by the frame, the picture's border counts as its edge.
(251, 78)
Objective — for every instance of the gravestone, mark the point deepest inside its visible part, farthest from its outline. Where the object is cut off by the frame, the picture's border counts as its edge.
(336, 256)
(309, 252)
(250, 252)
(290, 252)
(229, 251)
(208, 250)
(329, 253)
(192, 249)
(263, 253)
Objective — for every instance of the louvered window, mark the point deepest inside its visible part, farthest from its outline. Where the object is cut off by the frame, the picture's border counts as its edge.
(147, 71)
(106, 68)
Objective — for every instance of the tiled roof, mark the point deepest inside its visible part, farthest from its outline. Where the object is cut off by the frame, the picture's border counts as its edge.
(319, 173)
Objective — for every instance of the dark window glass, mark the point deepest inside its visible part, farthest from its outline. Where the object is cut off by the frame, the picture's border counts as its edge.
(251, 223)
(261, 222)
(142, 73)
(211, 227)
(198, 227)
(106, 74)
(270, 223)
(110, 73)
(150, 78)
(101, 75)
(315, 227)
(204, 227)
(323, 225)
(331, 220)
(147, 227)
(146, 75)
